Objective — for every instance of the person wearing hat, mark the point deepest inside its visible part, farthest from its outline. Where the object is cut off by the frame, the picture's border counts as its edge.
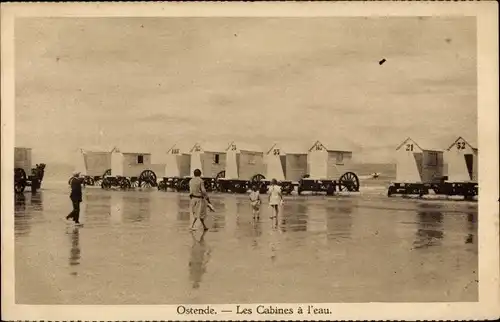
(76, 196)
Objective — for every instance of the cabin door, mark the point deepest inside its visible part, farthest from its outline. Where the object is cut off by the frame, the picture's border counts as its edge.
(318, 164)
(469, 161)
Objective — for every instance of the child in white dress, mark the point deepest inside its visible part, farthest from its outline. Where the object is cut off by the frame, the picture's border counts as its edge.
(255, 201)
(275, 197)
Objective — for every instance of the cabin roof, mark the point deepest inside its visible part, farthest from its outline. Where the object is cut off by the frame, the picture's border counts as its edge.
(334, 144)
(245, 146)
(472, 143)
(183, 146)
(425, 144)
(291, 147)
(210, 146)
(97, 148)
(131, 149)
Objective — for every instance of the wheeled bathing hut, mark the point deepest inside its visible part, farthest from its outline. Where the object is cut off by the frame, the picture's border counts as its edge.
(24, 174)
(94, 163)
(287, 163)
(329, 169)
(130, 169)
(209, 158)
(244, 167)
(421, 168)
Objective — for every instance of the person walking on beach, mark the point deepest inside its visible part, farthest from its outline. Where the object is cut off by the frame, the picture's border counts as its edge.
(76, 197)
(198, 202)
(275, 198)
(255, 201)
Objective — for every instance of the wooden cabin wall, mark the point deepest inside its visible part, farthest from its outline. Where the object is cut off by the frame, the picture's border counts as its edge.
(317, 162)
(130, 166)
(250, 164)
(475, 166)
(158, 169)
(273, 167)
(22, 159)
(338, 163)
(296, 166)
(131, 159)
(96, 163)
(431, 167)
(407, 166)
(184, 164)
(209, 168)
(456, 159)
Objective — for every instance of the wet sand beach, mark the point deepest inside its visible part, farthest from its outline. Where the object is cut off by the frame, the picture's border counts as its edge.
(135, 248)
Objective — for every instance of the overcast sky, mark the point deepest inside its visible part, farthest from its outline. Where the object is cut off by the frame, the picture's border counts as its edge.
(152, 81)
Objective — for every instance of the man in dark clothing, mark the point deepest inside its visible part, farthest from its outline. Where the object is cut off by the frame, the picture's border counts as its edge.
(76, 196)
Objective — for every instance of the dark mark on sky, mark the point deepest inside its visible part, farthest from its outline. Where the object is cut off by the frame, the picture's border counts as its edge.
(382, 61)
(448, 40)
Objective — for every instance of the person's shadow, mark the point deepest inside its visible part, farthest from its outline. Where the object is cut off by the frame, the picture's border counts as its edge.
(74, 257)
(200, 255)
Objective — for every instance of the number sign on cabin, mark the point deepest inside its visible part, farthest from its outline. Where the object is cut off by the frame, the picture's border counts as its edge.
(197, 148)
(460, 145)
(318, 147)
(409, 147)
(175, 151)
(233, 147)
(276, 151)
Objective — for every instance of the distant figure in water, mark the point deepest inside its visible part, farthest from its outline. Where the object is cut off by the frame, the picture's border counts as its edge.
(255, 201)
(275, 198)
(76, 196)
(198, 203)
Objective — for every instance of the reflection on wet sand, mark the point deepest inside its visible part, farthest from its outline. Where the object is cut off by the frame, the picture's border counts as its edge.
(471, 224)
(37, 201)
(256, 232)
(74, 258)
(316, 237)
(136, 208)
(339, 220)
(19, 203)
(183, 213)
(126, 207)
(218, 218)
(116, 208)
(293, 217)
(200, 256)
(430, 226)
(23, 214)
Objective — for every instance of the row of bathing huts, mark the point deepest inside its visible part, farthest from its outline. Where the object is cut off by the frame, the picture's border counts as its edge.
(322, 166)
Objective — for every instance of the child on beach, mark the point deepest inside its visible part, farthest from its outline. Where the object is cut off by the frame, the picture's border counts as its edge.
(255, 201)
(275, 198)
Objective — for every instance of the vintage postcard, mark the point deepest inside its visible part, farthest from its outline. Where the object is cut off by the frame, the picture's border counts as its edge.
(250, 161)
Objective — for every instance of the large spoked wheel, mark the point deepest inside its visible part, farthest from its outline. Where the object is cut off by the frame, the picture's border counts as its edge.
(220, 175)
(147, 179)
(183, 185)
(162, 186)
(19, 180)
(125, 184)
(349, 182)
(106, 184)
(257, 180)
(89, 181)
